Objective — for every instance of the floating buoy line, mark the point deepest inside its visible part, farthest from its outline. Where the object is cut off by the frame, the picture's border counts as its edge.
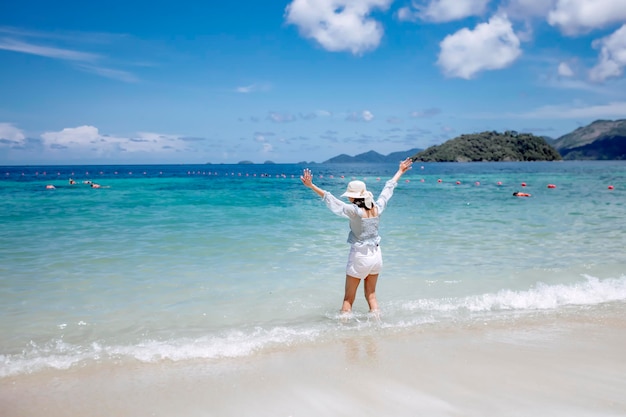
(130, 173)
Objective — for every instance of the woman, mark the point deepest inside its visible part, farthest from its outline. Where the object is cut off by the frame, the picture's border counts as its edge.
(365, 259)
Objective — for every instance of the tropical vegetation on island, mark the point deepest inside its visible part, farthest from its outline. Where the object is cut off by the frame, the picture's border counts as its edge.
(490, 147)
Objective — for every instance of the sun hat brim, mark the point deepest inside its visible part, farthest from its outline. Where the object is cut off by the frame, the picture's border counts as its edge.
(352, 194)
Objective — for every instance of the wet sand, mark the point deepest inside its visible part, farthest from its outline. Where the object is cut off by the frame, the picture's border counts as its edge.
(561, 366)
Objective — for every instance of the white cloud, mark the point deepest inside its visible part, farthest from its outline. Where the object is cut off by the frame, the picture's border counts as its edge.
(252, 88)
(363, 116)
(85, 61)
(10, 132)
(46, 51)
(151, 136)
(245, 89)
(524, 9)
(612, 58)
(323, 113)
(596, 111)
(565, 70)
(443, 10)
(574, 83)
(338, 25)
(490, 46)
(425, 113)
(407, 14)
(574, 17)
(72, 136)
(111, 73)
(151, 142)
(280, 117)
(88, 138)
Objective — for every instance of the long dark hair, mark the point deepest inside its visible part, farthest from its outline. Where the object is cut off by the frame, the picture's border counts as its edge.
(360, 202)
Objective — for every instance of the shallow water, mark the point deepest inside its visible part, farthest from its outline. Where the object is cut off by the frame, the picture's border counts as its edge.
(214, 262)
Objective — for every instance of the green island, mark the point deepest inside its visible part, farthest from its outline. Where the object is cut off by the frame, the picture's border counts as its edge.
(491, 147)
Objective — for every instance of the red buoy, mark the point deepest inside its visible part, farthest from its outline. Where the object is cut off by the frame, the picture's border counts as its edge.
(611, 187)
(523, 184)
(551, 186)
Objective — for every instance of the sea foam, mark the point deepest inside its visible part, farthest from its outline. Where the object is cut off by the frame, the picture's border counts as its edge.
(244, 342)
(592, 291)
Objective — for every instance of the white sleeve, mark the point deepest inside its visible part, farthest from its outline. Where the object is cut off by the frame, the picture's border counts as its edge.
(339, 207)
(385, 195)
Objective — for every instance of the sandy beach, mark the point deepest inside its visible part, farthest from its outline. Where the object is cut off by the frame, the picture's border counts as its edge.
(553, 365)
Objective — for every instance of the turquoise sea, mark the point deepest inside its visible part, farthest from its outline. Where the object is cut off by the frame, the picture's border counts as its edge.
(218, 263)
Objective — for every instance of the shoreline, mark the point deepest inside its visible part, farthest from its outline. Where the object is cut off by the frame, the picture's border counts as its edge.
(569, 365)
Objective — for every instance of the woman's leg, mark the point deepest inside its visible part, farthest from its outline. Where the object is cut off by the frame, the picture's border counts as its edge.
(352, 284)
(370, 291)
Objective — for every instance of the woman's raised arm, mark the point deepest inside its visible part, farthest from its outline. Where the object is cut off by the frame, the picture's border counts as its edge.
(307, 180)
(404, 167)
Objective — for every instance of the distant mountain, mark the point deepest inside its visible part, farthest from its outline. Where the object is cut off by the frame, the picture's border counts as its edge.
(246, 162)
(491, 146)
(602, 139)
(372, 157)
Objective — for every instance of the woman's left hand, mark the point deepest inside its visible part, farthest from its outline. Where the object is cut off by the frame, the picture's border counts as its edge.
(307, 177)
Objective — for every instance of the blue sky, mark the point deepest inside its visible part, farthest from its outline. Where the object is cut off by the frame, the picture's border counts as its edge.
(302, 80)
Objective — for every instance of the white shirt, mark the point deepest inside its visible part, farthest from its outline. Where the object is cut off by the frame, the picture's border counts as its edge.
(363, 231)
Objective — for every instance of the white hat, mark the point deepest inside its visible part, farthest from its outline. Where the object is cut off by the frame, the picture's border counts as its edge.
(357, 189)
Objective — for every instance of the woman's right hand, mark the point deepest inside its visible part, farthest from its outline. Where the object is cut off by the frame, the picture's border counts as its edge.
(405, 165)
